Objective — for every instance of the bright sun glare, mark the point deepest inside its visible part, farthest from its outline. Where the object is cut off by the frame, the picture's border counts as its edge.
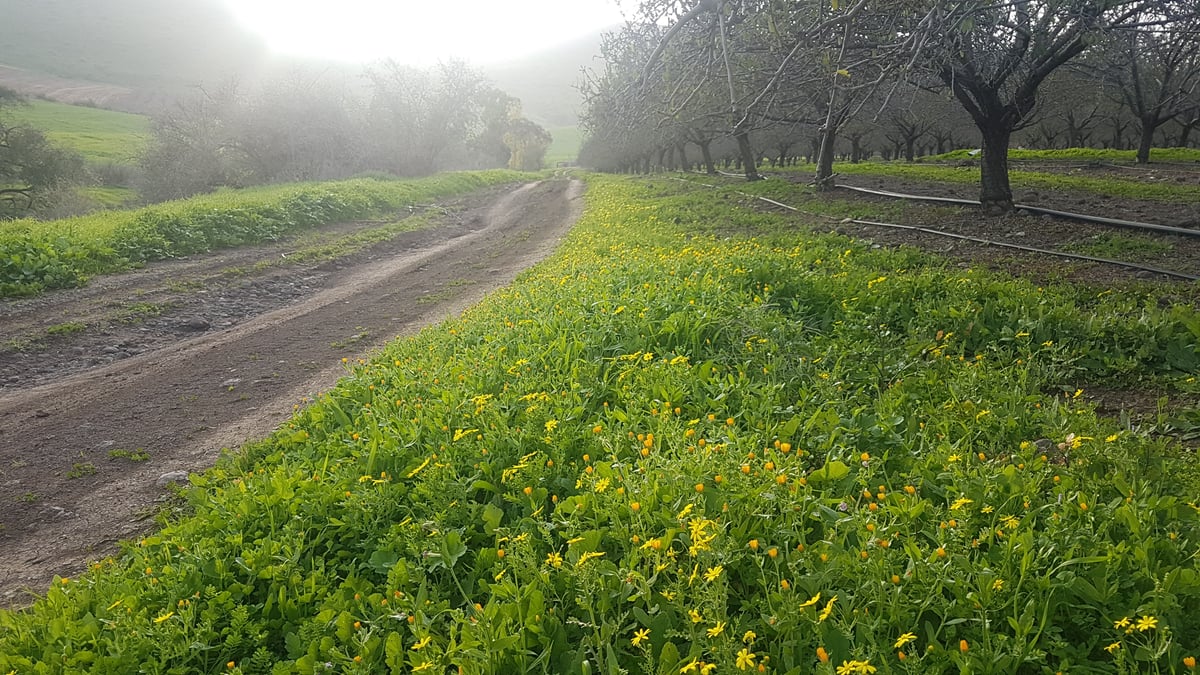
(421, 31)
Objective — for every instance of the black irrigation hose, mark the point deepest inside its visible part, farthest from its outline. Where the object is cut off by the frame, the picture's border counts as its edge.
(1020, 247)
(989, 242)
(1168, 229)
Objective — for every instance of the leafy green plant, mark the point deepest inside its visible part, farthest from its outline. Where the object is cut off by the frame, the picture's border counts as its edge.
(138, 455)
(66, 328)
(81, 469)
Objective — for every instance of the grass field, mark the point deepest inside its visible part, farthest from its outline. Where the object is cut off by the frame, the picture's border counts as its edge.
(101, 136)
(1186, 155)
(696, 440)
(566, 145)
(1174, 192)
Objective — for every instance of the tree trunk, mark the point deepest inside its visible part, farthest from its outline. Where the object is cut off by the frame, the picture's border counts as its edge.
(747, 153)
(683, 161)
(995, 193)
(824, 178)
(855, 150)
(1149, 124)
(706, 153)
(908, 149)
(1186, 131)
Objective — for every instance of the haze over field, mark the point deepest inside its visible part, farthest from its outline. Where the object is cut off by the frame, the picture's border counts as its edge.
(421, 33)
(138, 55)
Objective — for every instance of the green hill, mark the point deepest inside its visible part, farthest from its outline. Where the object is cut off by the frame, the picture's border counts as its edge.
(99, 135)
(138, 43)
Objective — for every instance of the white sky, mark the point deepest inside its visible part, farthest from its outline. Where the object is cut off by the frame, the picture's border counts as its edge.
(421, 32)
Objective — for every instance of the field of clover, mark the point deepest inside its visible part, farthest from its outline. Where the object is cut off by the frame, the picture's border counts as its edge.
(695, 440)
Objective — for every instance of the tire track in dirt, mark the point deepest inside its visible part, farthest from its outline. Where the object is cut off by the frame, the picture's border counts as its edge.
(184, 403)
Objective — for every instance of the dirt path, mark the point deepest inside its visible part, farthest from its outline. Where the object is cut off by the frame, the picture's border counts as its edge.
(223, 359)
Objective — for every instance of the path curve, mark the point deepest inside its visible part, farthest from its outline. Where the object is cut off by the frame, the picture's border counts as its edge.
(182, 404)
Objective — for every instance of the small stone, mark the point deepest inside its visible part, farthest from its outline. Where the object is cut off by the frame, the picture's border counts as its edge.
(196, 323)
(56, 513)
(171, 477)
(231, 382)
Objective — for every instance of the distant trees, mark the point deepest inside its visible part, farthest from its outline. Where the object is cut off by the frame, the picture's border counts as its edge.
(527, 142)
(298, 128)
(1154, 71)
(905, 73)
(33, 172)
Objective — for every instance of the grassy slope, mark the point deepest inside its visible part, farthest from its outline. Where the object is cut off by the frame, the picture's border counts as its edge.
(37, 255)
(672, 445)
(99, 135)
(565, 148)
(141, 43)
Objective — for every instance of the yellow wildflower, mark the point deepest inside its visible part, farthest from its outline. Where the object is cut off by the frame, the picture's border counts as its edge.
(811, 601)
(422, 643)
(745, 659)
(855, 668)
(640, 636)
(716, 630)
(828, 609)
(903, 640)
(712, 573)
(1146, 623)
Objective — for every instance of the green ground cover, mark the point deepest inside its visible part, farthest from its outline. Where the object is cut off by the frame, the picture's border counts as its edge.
(695, 440)
(565, 146)
(101, 136)
(1082, 154)
(1041, 180)
(39, 255)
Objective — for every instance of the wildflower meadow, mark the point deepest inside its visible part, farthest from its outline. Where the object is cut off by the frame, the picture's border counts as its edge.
(699, 438)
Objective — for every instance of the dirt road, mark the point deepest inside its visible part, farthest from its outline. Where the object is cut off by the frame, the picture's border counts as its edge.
(107, 390)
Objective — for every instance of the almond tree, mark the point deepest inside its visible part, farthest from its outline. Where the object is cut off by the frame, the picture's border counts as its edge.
(1155, 72)
(994, 55)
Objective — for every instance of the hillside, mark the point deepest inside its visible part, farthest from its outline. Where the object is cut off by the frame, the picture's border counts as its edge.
(143, 44)
(99, 135)
(547, 82)
(134, 55)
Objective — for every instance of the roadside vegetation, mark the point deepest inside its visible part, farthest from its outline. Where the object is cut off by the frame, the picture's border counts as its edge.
(695, 440)
(36, 255)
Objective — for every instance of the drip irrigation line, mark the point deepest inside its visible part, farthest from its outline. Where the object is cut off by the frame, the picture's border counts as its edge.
(980, 240)
(1175, 167)
(1168, 229)
(1031, 249)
